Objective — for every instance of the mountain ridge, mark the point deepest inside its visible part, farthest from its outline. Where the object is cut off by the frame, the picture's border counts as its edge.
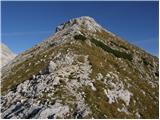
(87, 71)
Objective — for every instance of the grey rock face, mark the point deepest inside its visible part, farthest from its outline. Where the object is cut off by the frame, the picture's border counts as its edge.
(6, 55)
(31, 92)
(85, 22)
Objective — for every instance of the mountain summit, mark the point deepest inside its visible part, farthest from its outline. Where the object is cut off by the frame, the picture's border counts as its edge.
(85, 22)
(82, 71)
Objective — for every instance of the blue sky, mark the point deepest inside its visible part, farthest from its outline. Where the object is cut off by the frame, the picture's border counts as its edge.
(25, 24)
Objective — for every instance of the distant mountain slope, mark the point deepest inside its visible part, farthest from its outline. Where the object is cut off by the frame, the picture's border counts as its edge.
(82, 71)
(6, 54)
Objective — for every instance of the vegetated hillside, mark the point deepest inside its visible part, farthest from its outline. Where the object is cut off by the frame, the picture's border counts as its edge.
(82, 71)
(6, 55)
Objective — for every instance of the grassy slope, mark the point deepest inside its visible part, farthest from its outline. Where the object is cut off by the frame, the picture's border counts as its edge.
(97, 56)
(96, 100)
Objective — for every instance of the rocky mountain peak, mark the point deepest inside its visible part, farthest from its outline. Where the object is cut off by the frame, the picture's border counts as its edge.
(85, 22)
(82, 71)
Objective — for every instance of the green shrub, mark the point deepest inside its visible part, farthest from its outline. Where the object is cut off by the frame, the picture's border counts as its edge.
(145, 61)
(80, 37)
(119, 45)
(110, 50)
